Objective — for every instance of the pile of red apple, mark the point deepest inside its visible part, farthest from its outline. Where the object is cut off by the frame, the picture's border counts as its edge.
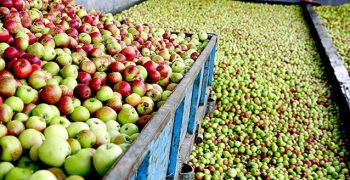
(77, 86)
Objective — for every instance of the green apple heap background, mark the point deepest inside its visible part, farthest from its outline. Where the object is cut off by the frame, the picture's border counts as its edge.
(276, 118)
(336, 19)
(77, 86)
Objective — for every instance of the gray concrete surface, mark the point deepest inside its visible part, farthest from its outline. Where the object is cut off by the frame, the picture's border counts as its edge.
(112, 6)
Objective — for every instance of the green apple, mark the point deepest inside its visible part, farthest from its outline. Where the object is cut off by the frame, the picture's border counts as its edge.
(75, 127)
(79, 163)
(42, 175)
(84, 38)
(86, 138)
(55, 112)
(3, 130)
(37, 80)
(166, 94)
(34, 152)
(102, 137)
(36, 122)
(6, 113)
(53, 151)
(124, 146)
(15, 103)
(70, 82)
(60, 175)
(56, 131)
(31, 137)
(128, 114)
(18, 174)
(143, 71)
(49, 54)
(112, 126)
(95, 123)
(134, 136)
(104, 93)
(52, 67)
(11, 148)
(133, 99)
(64, 59)
(3, 47)
(44, 111)
(75, 177)
(92, 104)
(121, 138)
(5, 167)
(37, 49)
(27, 94)
(20, 117)
(106, 114)
(61, 121)
(129, 129)
(80, 113)
(105, 156)
(69, 71)
(113, 134)
(26, 162)
(74, 145)
(61, 40)
(176, 77)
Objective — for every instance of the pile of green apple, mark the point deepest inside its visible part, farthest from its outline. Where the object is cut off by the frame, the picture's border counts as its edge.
(275, 116)
(77, 86)
(336, 19)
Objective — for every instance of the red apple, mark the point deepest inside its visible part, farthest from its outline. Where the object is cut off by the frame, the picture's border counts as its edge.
(32, 58)
(51, 94)
(123, 88)
(83, 91)
(114, 77)
(65, 105)
(116, 66)
(7, 3)
(22, 68)
(121, 58)
(18, 4)
(150, 65)
(154, 76)
(66, 91)
(10, 53)
(129, 53)
(84, 78)
(36, 67)
(95, 83)
(12, 26)
(4, 35)
(88, 66)
(164, 70)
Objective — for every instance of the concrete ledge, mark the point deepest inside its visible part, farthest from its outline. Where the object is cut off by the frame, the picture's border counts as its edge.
(112, 6)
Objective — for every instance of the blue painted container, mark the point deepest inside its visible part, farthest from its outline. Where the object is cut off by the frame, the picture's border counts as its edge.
(155, 154)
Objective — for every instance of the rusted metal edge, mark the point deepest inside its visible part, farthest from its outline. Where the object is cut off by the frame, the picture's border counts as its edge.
(127, 165)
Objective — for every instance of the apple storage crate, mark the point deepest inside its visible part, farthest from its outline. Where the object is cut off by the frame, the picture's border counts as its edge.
(155, 153)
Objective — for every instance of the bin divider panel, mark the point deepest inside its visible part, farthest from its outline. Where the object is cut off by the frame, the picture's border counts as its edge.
(160, 154)
(195, 102)
(175, 144)
(186, 114)
(143, 168)
(211, 70)
(204, 82)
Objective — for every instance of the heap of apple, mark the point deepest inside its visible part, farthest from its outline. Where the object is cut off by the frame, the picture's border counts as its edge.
(77, 86)
(276, 117)
(336, 20)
